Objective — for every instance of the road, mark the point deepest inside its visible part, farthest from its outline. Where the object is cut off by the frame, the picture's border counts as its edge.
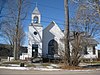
(31, 72)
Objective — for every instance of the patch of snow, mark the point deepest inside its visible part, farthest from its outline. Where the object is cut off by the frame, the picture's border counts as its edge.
(15, 68)
(55, 65)
(98, 69)
(46, 69)
(49, 67)
(14, 65)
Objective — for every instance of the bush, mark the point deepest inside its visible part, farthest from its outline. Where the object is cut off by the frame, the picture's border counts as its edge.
(30, 65)
(45, 64)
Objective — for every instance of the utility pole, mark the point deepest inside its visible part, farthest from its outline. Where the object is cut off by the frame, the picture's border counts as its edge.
(67, 48)
(17, 43)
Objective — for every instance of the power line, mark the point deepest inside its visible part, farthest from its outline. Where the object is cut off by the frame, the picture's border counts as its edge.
(52, 18)
(46, 6)
(42, 17)
(50, 22)
(44, 21)
(60, 23)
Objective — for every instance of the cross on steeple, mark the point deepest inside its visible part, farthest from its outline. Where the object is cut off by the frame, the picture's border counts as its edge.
(36, 4)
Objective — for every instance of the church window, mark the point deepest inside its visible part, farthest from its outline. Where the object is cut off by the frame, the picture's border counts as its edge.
(35, 20)
(85, 50)
(35, 33)
(52, 47)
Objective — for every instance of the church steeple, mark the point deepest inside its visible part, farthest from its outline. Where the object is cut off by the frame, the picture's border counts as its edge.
(35, 35)
(36, 16)
(36, 11)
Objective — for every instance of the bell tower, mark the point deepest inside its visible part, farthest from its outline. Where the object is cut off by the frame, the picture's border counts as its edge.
(35, 35)
(36, 16)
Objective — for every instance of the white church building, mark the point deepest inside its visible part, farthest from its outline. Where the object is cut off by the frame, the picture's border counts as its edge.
(46, 42)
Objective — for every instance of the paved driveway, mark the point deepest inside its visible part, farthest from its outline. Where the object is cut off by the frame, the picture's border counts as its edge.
(31, 72)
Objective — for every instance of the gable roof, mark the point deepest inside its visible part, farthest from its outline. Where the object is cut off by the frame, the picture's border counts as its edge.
(53, 23)
(36, 11)
(54, 29)
(91, 41)
(50, 25)
(85, 38)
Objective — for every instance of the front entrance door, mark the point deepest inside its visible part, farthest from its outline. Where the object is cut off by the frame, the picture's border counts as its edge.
(34, 50)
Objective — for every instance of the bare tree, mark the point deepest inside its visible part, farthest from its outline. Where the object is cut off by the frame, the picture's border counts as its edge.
(2, 5)
(87, 19)
(17, 11)
(87, 22)
(8, 33)
(77, 48)
(96, 5)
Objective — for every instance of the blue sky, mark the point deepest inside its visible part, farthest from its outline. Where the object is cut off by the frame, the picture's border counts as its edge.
(51, 10)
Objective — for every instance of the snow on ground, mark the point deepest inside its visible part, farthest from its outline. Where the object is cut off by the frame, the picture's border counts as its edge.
(26, 68)
(41, 69)
(46, 69)
(14, 65)
(14, 68)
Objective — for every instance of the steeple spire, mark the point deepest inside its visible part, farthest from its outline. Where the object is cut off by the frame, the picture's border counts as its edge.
(36, 11)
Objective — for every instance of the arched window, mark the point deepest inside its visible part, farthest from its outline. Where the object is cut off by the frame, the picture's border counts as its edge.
(35, 20)
(52, 47)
